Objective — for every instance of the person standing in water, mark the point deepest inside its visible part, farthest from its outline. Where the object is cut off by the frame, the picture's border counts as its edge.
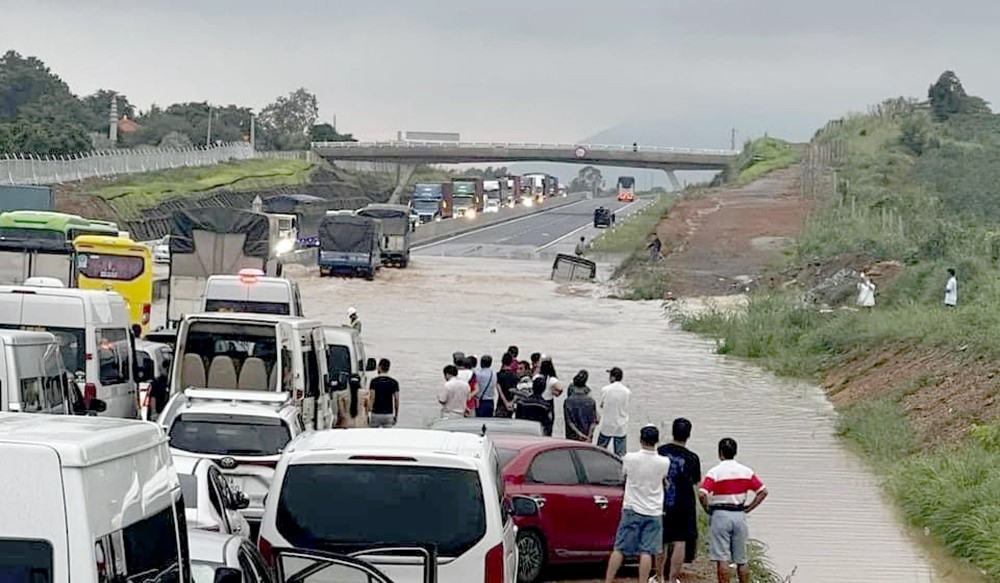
(581, 247)
(355, 321)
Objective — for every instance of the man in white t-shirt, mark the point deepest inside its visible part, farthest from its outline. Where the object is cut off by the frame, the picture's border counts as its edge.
(614, 403)
(453, 394)
(640, 531)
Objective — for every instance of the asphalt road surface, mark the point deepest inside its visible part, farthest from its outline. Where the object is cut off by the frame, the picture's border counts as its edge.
(534, 236)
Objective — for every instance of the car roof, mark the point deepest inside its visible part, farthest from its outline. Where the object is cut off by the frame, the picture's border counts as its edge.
(81, 441)
(252, 317)
(209, 547)
(494, 425)
(26, 337)
(520, 441)
(235, 402)
(397, 441)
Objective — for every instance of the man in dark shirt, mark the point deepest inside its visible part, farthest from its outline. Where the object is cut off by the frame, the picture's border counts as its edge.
(385, 397)
(535, 408)
(680, 527)
(507, 382)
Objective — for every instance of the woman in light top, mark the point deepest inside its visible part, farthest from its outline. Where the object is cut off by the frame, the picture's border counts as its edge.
(353, 406)
(866, 292)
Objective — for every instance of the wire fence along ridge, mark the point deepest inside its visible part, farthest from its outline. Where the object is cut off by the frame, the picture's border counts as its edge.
(25, 169)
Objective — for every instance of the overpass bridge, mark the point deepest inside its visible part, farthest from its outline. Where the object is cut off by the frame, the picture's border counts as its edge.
(408, 154)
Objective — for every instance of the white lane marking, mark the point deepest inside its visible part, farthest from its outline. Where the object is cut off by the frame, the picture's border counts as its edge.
(498, 225)
(577, 230)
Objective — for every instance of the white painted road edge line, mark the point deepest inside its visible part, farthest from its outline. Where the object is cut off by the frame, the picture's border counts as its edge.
(502, 224)
(577, 230)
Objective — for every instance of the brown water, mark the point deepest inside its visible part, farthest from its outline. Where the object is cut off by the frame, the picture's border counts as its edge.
(825, 518)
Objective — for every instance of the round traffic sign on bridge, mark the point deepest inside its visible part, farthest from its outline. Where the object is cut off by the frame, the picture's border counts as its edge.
(581, 152)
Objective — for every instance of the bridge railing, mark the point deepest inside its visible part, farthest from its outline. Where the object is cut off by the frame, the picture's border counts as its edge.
(523, 145)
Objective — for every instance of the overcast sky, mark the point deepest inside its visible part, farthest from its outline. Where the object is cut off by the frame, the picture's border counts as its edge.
(531, 70)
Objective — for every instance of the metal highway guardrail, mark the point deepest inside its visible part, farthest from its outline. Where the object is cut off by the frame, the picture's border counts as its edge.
(540, 146)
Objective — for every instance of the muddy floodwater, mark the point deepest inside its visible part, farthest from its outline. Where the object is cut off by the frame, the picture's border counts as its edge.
(825, 518)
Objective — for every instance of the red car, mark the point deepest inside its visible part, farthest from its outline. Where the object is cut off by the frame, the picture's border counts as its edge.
(579, 490)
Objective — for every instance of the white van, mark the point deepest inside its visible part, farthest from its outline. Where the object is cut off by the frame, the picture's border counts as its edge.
(89, 500)
(352, 489)
(256, 352)
(252, 292)
(95, 338)
(345, 356)
(32, 376)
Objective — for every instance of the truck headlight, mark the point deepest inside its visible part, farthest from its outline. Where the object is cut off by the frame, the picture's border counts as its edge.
(284, 246)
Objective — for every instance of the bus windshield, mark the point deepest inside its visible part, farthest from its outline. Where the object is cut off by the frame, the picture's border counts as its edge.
(626, 182)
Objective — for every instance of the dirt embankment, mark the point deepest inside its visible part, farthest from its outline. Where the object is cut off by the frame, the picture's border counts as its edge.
(726, 240)
(723, 240)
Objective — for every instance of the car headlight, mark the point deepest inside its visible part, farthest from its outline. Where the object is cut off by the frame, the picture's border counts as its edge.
(528, 202)
(471, 213)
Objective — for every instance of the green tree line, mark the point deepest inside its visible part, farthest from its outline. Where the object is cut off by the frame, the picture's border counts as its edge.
(40, 115)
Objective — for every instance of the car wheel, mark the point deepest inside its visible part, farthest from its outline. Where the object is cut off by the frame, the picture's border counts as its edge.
(530, 556)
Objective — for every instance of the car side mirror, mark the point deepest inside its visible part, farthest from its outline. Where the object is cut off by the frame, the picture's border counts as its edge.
(228, 575)
(370, 365)
(239, 501)
(523, 506)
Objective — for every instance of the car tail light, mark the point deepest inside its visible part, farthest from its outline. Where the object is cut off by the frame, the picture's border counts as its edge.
(89, 391)
(146, 308)
(264, 546)
(495, 564)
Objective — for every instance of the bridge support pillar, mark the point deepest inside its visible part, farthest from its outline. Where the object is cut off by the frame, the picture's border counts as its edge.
(673, 181)
(403, 174)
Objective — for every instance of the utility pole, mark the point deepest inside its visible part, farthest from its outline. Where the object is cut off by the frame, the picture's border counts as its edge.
(208, 137)
(253, 133)
(732, 140)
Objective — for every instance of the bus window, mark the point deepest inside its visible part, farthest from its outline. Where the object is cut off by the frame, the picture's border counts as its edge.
(116, 267)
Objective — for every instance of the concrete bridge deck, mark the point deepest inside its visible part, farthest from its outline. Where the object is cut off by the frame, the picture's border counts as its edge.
(408, 152)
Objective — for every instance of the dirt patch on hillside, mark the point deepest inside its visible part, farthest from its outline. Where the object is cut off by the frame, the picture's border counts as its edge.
(944, 392)
(723, 240)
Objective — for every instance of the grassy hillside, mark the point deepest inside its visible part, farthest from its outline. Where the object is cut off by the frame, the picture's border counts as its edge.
(759, 157)
(915, 382)
(128, 195)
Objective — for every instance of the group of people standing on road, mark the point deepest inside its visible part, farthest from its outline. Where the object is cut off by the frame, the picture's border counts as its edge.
(659, 510)
(528, 389)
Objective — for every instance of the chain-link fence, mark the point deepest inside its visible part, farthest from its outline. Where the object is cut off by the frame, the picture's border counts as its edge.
(28, 169)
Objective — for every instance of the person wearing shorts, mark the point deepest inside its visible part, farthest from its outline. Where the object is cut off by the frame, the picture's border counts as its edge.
(640, 531)
(724, 494)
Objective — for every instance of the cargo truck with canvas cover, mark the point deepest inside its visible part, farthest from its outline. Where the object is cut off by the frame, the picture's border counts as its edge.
(396, 229)
(350, 245)
(213, 241)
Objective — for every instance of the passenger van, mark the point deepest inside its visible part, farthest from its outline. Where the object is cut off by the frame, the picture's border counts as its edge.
(32, 376)
(89, 500)
(345, 356)
(252, 292)
(256, 352)
(94, 334)
(350, 490)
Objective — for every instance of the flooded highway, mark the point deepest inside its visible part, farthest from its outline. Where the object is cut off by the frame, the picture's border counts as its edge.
(825, 519)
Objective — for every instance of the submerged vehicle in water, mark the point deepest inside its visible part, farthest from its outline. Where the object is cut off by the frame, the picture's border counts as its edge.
(396, 228)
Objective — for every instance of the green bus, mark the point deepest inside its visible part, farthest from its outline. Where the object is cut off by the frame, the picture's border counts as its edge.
(49, 228)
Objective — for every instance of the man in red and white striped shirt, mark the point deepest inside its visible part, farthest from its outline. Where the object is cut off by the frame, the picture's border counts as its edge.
(724, 493)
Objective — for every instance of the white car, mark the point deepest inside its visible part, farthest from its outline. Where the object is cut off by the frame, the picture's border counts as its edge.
(361, 488)
(209, 501)
(214, 555)
(243, 431)
(161, 251)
